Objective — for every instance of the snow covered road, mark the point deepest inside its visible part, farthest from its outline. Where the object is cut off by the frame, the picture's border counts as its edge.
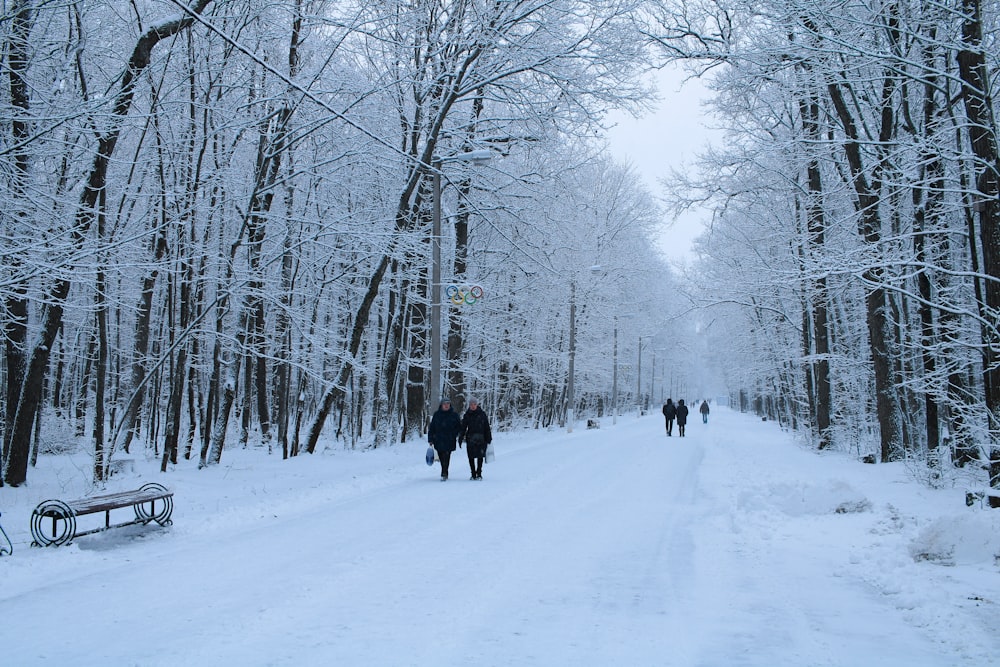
(617, 546)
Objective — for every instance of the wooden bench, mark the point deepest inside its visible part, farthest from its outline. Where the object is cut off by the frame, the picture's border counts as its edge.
(150, 502)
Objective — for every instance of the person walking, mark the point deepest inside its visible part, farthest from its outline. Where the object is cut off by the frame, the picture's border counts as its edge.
(669, 413)
(442, 432)
(682, 417)
(476, 433)
(704, 412)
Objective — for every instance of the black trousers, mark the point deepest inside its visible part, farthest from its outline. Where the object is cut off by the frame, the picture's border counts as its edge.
(670, 425)
(475, 463)
(445, 456)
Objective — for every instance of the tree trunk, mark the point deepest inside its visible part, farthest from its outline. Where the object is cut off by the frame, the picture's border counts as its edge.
(16, 299)
(283, 334)
(983, 135)
(283, 339)
(869, 228)
(101, 371)
(456, 376)
(816, 231)
(83, 386)
(174, 402)
(928, 200)
(245, 410)
(419, 386)
(388, 392)
(179, 367)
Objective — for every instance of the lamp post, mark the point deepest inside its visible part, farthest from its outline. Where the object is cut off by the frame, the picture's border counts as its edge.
(570, 397)
(660, 378)
(478, 157)
(614, 371)
(638, 383)
(596, 269)
(638, 380)
(652, 375)
(614, 377)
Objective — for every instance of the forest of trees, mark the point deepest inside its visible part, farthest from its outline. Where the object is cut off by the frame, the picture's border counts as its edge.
(853, 262)
(217, 221)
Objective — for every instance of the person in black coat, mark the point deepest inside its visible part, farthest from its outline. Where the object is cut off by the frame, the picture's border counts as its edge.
(682, 417)
(704, 409)
(669, 413)
(442, 433)
(477, 436)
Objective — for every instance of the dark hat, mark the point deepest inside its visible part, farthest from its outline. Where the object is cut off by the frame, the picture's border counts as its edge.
(444, 399)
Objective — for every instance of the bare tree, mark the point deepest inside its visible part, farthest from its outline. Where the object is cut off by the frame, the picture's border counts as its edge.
(15, 469)
(982, 131)
(442, 58)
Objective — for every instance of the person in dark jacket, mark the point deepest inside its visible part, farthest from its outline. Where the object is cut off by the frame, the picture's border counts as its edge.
(704, 412)
(682, 417)
(669, 412)
(477, 436)
(442, 433)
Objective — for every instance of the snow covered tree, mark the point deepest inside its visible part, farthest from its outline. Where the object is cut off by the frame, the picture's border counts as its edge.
(845, 117)
(87, 215)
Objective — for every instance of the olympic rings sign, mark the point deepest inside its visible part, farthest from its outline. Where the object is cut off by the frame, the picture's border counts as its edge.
(464, 294)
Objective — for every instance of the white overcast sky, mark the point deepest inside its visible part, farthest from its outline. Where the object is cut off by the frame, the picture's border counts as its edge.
(669, 138)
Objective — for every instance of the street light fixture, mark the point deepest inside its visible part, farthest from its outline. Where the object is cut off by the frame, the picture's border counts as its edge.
(478, 158)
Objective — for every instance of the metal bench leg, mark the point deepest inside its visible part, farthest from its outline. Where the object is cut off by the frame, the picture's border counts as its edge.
(63, 524)
(144, 515)
(9, 548)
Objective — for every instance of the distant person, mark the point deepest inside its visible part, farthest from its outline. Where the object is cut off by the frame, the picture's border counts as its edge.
(442, 432)
(682, 417)
(476, 433)
(704, 412)
(669, 413)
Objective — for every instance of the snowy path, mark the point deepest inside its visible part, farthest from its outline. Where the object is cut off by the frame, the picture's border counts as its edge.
(610, 547)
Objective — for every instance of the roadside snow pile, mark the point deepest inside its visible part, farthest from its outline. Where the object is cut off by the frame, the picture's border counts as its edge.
(960, 539)
(805, 499)
(875, 528)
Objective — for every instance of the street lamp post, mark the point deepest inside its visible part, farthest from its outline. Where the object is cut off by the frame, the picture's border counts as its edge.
(478, 157)
(614, 361)
(652, 376)
(614, 377)
(570, 398)
(638, 379)
(638, 382)
(597, 269)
